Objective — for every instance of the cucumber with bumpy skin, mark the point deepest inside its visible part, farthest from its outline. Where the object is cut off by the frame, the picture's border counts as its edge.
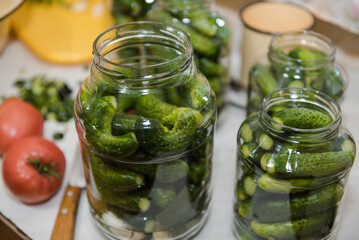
(290, 229)
(307, 164)
(154, 137)
(303, 118)
(111, 176)
(99, 130)
(297, 206)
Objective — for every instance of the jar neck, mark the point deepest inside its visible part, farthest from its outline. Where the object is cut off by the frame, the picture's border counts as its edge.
(281, 44)
(142, 54)
(301, 96)
(185, 5)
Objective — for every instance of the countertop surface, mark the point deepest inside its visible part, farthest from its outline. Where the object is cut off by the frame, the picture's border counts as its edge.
(37, 221)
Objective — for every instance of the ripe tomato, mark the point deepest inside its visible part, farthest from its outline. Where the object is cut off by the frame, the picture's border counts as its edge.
(18, 119)
(33, 169)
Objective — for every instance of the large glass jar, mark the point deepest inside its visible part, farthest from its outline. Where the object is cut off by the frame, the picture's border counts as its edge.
(299, 59)
(209, 34)
(145, 118)
(293, 161)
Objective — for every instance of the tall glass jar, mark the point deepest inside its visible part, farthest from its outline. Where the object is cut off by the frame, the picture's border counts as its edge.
(299, 59)
(209, 34)
(293, 161)
(145, 119)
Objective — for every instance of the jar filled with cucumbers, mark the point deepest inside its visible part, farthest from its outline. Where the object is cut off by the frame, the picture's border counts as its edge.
(209, 34)
(145, 118)
(300, 59)
(293, 161)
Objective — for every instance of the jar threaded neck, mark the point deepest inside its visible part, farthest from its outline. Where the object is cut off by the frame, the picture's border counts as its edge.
(140, 51)
(309, 39)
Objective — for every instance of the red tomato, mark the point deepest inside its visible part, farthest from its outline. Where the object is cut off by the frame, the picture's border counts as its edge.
(33, 169)
(18, 119)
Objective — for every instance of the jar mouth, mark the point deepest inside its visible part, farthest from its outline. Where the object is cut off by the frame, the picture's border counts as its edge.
(303, 96)
(141, 34)
(307, 38)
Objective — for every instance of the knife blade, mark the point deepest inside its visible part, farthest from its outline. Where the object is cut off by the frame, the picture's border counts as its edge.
(64, 227)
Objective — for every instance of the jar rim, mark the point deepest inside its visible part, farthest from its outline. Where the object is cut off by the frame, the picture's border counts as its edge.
(298, 93)
(140, 26)
(278, 38)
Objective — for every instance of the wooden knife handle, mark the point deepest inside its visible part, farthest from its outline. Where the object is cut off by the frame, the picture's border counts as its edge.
(66, 217)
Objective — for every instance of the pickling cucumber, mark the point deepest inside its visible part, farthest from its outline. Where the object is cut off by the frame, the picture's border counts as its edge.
(307, 164)
(99, 129)
(152, 107)
(109, 175)
(290, 229)
(133, 202)
(297, 206)
(261, 74)
(303, 118)
(246, 132)
(265, 141)
(281, 186)
(154, 137)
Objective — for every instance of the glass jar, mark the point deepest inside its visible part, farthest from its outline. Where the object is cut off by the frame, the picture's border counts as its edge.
(299, 59)
(293, 161)
(209, 35)
(145, 119)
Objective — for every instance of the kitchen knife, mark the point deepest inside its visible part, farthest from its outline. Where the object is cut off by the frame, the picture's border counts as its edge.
(64, 227)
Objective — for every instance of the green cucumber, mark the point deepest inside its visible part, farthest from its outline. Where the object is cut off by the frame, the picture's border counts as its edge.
(106, 143)
(307, 164)
(210, 68)
(133, 202)
(245, 209)
(297, 206)
(203, 44)
(265, 142)
(246, 132)
(307, 57)
(122, 124)
(197, 171)
(289, 229)
(263, 78)
(154, 137)
(111, 176)
(198, 95)
(241, 193)
(152, 107)
(250, 185)
(303, 118)
(99, 129)
(281, 186)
